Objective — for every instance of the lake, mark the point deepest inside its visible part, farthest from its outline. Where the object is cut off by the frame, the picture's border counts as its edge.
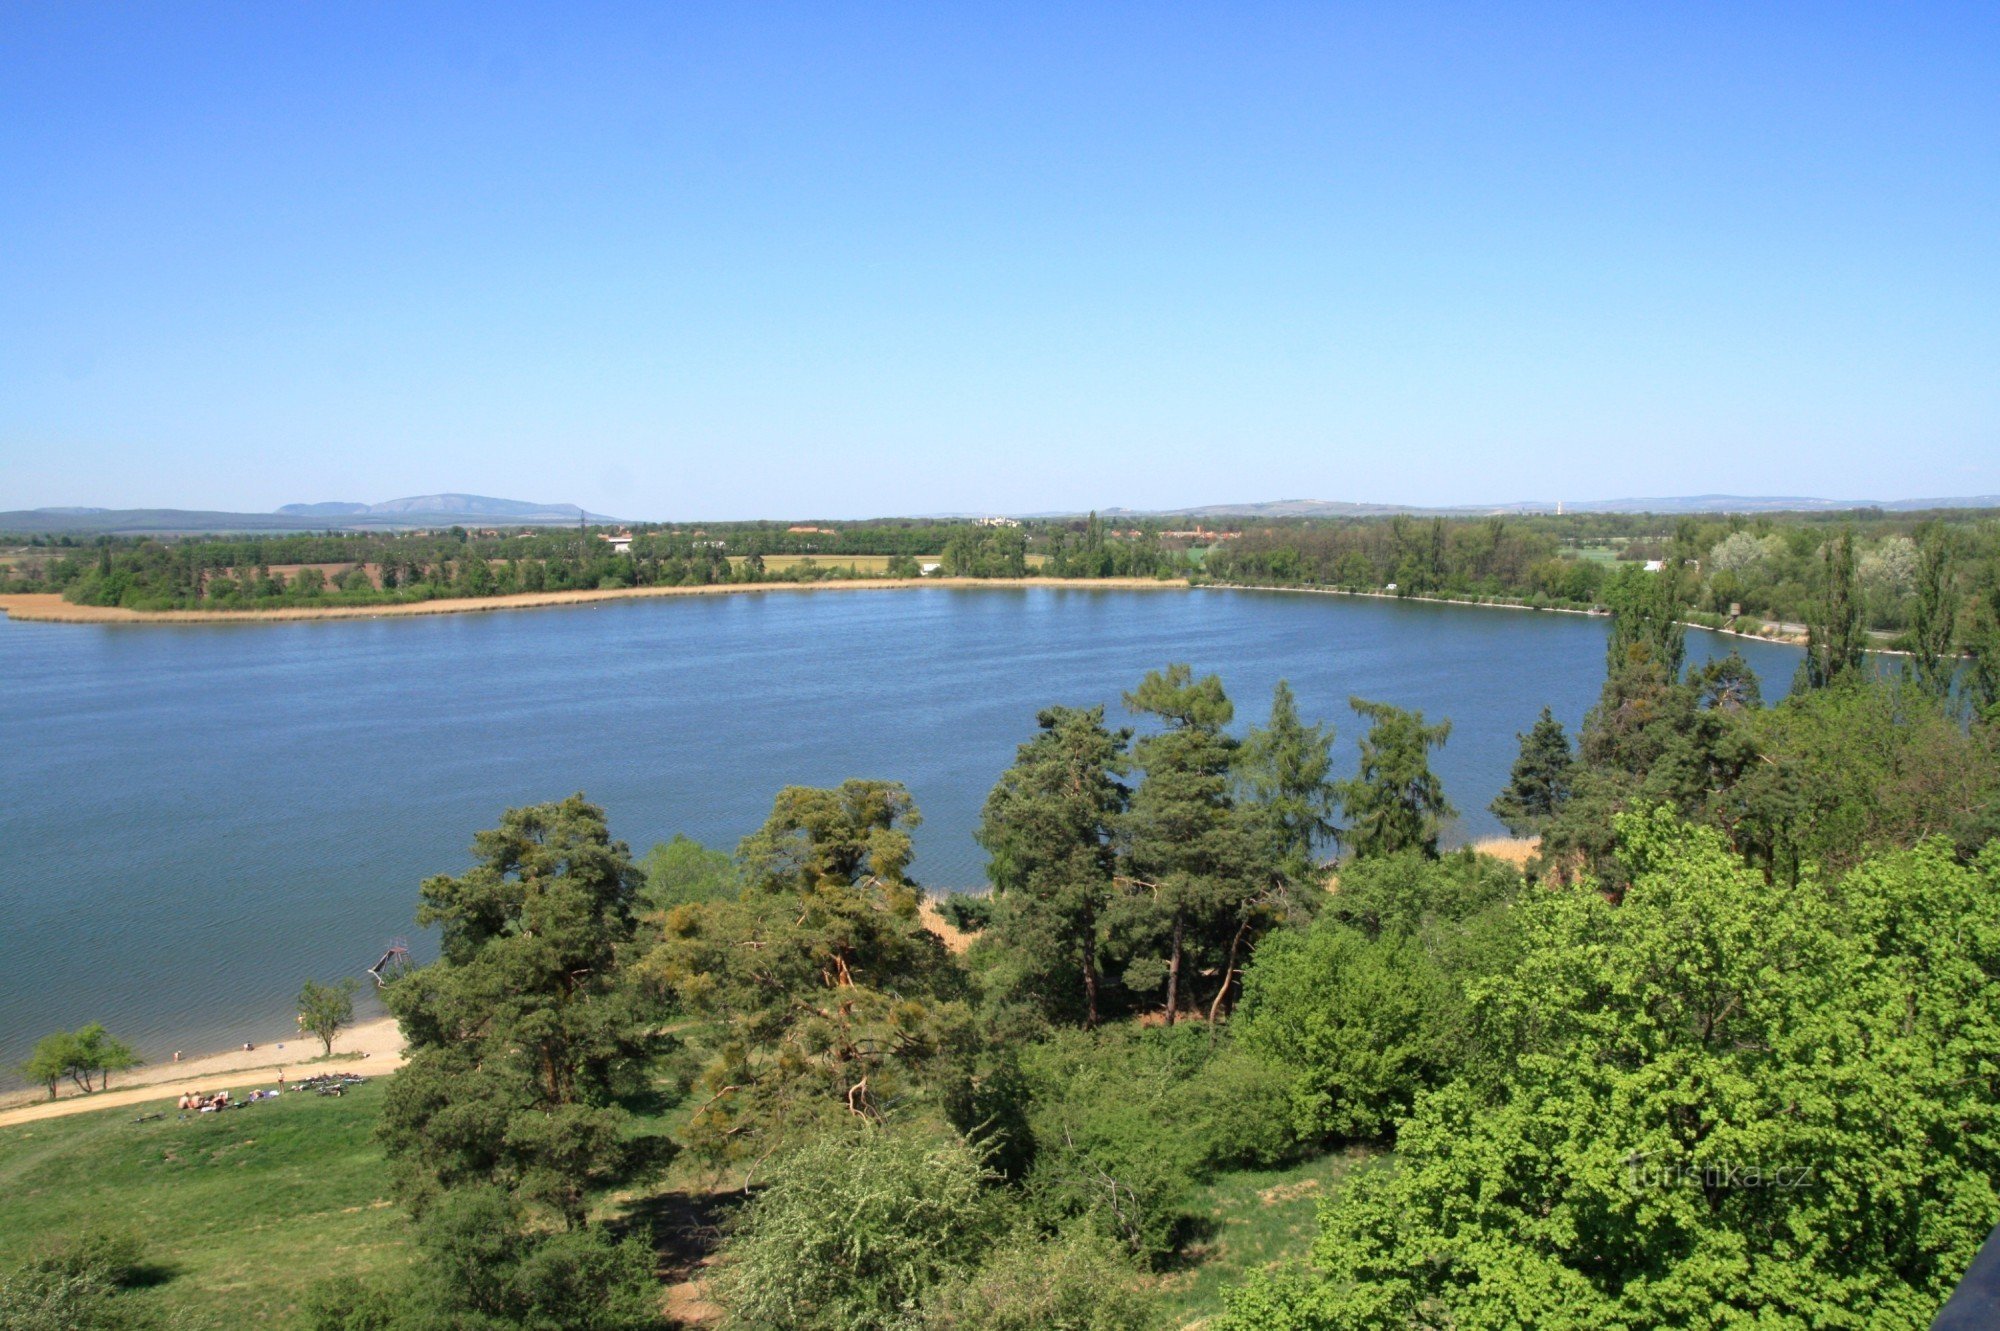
(196, 819)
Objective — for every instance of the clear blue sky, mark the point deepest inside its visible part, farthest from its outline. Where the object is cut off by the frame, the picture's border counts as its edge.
(705, 261)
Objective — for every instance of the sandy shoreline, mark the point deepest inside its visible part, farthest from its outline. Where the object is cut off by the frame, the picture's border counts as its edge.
(379, 1044)
(50, 608)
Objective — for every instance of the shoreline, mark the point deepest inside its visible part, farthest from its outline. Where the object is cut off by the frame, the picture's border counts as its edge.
(1780, 640)
(371, 1048)
(51, 608)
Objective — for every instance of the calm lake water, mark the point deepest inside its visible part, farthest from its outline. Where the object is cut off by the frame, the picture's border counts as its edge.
(194, 820)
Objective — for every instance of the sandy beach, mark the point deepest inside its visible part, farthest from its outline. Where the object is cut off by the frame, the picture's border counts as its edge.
(50, 608)
(378, 1044)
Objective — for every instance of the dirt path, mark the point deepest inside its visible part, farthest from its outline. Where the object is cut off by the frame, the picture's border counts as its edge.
(49, 608)
(379, 1044)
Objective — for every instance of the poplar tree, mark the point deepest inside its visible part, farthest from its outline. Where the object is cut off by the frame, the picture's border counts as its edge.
(1645, 621)
(1933, 619)
(1834, 633)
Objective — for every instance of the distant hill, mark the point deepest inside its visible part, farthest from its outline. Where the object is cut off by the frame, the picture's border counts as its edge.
(455, 506)
(1340, 508)
(439, 510)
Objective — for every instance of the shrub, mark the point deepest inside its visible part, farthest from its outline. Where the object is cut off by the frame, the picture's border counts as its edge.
(854, 1228)
(1079, 1282)
(1127, 1123)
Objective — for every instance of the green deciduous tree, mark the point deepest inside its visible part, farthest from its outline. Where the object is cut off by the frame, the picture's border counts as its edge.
(1834, 636)
(484, 1264)
(1934, 616)
(50, 1061)
(1395, 802)
(87, 1056)
(1079, 1282)
(1721, 1100)
(1646, 610)
(324, 1009)
(1541, 780)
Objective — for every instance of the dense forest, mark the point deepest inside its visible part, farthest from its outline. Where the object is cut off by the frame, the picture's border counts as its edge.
(1721, 1053)
(1914, 579)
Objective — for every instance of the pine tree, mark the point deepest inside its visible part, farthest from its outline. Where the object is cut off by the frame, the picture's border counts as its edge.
(1287, 768)
(1540, 782)
(1048, 826)
(1395, 802)
(1188, 848)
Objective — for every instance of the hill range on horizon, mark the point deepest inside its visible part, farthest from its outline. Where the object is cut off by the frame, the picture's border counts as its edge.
(452, 508)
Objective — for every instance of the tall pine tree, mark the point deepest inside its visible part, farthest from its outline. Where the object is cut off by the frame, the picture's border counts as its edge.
(1540, 782)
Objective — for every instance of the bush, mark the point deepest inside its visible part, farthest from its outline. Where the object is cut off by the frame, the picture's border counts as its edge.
(1127, 1123)
(1076, 1283)
(1369, 1008)
(965, 912)
(75, 1284)
(683, 871)
(854, 1229)
(479, 1266)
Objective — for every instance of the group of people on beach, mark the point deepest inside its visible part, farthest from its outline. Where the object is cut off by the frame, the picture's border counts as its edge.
(194, 1102)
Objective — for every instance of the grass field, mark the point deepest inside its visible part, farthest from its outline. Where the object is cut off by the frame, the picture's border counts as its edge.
(242, 1211)
(1261, 1217)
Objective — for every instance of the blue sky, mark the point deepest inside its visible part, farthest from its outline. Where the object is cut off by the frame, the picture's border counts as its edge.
(731, 260)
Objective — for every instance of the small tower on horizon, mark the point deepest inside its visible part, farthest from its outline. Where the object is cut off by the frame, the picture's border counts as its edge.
(1559, 508)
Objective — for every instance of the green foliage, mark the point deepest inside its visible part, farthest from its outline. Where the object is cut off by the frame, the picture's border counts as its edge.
(481, 1266)
(325, 1008)
(1859, 768)
(87, 1056)
(1079, 1282)
(1834, 637)
(51, 1060)
(822, 995)
(852, 1230)
(524, 1042)
(683, 872)
(1395, 802)
(1541, 779)
(1720, 1099)
(1934, 616)
(1189, 849)
(1128, 1122)
(1048, 828)
(1646, 611)
(966, 912)
(1369, 1008)
(1286, 766)
(76, 1283)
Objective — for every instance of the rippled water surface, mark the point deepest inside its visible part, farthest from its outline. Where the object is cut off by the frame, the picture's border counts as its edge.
(196, 819)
